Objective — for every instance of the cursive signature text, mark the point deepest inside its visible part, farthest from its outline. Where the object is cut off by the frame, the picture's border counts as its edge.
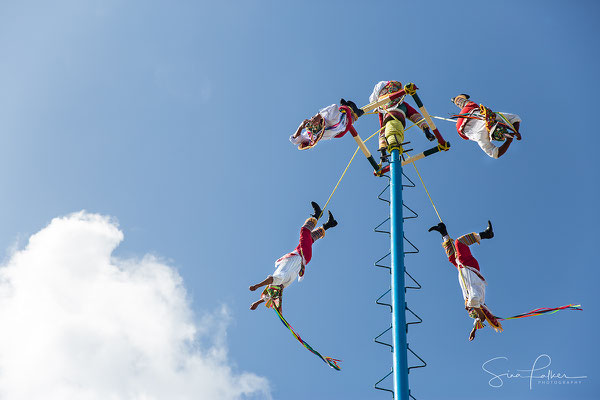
(540, 370)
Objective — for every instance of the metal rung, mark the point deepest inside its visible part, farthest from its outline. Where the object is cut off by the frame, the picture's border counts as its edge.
(382, 192)
(413, 279)
(384, 304)
(410, 180)
(381, 380)
(384, 343)
(413, 246)
(415, 215)
(380, 231)
(381, 265)
(420, 320)
(415, 354)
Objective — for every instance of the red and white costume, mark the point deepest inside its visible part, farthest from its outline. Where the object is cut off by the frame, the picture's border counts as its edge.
(470, 279)
(397, 108)
(335, 123)
(292, 265)
(474, 128)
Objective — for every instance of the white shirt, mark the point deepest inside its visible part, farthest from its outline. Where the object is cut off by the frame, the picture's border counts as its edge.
(476, 131)
(375, 96)
(335, 123)
(473, 288)
(287, 269)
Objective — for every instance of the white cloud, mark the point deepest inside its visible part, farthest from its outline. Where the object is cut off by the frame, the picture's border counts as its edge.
(77, 323)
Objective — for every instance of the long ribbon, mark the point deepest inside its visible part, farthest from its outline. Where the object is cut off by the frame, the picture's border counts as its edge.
(542, 311)
(332, 362)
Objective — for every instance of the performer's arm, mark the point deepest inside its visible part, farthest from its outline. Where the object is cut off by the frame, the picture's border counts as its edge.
(502, 149)
(300, 127)
(487, 146)
(517, 133)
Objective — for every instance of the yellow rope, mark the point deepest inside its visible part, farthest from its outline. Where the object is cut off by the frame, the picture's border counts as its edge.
(348, 166)
(416, 169)
(338, 182)
(432, 203)
(440, 218)
(427, 191)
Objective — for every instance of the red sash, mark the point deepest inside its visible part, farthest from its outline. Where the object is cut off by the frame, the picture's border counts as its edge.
(461, 121)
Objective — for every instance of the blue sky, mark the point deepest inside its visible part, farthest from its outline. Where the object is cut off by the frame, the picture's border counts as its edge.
(173, 118)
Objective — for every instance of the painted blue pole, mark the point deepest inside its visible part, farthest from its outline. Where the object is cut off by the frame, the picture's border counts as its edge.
(398, 291)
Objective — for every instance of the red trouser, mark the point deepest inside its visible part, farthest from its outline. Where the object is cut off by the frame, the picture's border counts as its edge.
(308, 235)
(463, 253)
(305, 245)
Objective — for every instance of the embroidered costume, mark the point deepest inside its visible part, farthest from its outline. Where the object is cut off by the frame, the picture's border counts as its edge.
(292, 265)
(480, 124)
(472, 282)
(333, 123)
(393, 114)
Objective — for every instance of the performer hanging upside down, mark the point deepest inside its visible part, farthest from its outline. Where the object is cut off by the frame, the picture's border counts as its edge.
(330, 122)
(471, 281)
(292, 265)
(480, 124)
(395, 108)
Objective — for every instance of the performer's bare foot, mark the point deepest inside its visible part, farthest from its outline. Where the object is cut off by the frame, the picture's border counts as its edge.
(254, 305)
(472, 335)
(253, 288)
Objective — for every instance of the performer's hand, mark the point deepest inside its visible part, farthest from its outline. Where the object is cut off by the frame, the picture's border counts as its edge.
(517, 125)
(472, 335)
(430, 136)
(518, 135)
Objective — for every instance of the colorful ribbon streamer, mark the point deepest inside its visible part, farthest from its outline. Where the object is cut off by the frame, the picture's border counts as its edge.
(332, 362)
(542, 311)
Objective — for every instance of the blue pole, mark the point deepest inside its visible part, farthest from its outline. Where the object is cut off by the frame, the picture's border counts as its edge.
(398, 292)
